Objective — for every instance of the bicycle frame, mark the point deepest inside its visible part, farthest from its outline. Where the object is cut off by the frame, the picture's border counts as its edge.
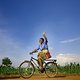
(32, 60)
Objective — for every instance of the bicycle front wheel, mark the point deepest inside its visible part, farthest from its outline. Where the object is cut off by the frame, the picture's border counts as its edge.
(51, 69)
(26, 69)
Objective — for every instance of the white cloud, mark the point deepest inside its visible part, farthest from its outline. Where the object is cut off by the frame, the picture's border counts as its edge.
(67, 58)
(70, 40)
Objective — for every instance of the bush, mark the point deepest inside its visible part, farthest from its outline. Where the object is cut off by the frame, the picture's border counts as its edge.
(8, 70)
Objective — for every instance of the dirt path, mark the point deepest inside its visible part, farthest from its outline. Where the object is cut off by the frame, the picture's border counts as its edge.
(44, 77)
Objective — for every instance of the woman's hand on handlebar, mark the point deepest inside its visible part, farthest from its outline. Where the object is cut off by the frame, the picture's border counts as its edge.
(35, 50)
(31, 53)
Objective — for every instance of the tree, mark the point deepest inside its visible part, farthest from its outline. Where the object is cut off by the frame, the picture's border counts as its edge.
(6, 61)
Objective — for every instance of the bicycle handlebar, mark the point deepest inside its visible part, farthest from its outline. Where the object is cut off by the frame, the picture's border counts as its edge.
(31, 53)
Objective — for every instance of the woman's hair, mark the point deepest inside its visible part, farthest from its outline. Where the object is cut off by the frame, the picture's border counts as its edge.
(42, 39)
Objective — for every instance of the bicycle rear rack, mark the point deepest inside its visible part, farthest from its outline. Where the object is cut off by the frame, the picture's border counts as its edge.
(54, 60)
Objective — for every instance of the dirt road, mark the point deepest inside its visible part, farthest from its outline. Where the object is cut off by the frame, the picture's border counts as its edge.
(44, 77)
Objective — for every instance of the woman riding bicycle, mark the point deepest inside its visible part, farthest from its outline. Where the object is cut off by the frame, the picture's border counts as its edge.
(44, 52)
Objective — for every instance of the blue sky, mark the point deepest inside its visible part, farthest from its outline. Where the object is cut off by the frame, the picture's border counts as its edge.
(23, 21)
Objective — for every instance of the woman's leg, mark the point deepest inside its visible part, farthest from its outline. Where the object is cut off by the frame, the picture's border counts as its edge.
(40, 60)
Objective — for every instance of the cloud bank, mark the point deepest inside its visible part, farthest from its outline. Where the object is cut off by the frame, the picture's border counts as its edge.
(67, 58)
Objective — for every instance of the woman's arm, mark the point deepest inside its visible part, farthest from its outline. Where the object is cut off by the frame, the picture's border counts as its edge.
(44, 35)
(35, 50)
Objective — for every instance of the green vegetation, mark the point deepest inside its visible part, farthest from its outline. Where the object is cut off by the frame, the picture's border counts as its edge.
(6, 68)
(6, 62)
(70, 68)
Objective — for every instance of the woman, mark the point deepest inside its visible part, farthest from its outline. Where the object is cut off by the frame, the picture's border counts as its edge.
(44, 52)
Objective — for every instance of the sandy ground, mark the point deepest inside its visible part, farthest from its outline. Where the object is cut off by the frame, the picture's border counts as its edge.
(44, 77)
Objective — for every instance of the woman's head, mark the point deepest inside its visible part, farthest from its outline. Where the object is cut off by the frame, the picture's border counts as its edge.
(41, 40)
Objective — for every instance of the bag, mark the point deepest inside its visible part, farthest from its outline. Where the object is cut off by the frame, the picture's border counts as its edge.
(48, 55)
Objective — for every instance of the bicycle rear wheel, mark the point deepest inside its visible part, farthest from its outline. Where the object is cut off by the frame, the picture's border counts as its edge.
(26, 69)
(51, 69)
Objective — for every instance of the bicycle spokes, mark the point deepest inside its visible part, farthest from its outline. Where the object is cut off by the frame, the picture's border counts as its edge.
(51, 69)
(26, 69)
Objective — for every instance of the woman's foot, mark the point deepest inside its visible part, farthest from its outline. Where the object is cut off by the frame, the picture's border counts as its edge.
(42, 70)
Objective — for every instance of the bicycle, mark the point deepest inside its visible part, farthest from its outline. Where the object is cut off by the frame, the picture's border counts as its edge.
(27, 68)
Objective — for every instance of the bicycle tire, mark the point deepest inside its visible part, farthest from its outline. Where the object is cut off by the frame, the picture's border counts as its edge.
(51, 69)
(26, 69)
